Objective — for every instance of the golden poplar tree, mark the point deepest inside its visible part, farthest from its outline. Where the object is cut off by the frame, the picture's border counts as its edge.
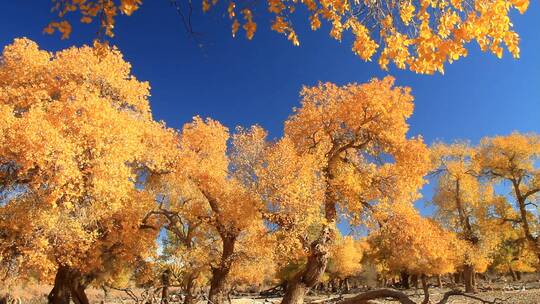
(345, 261)
(76, 136)
(215, 202)
(463, 202)
(407, 242)
(344, 149)
(514, 159)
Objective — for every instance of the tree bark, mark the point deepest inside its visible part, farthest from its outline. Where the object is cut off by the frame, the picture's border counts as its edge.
(300, 284)
(425, 288)
(318, 251)
(165, 281)
(68, 284)
(78, 296)
(105, 293)
(218, 292)
(405, 280)
(296, 294)
(188, 290)
(457, 277)
(414, 279)
(439, 281)
(347, 287)
(363, 298)
(468, 273)
(333, 285)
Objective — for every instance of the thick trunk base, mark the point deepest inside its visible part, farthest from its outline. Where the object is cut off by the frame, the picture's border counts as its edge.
(405, 280)
(295, 294)
(310, 275)
(68, 284)
(468, 275)
(218, 293)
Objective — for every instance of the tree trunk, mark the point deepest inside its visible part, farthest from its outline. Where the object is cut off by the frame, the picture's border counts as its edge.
(218, 290)
(365, 297)
(217, 286)
(60, 293)
(105, 293)
(333, 285)
(439, 281)
(296, 294)
(347, 285)
(512, 273)
(312, 272)
(414, 279)
(468, 273)
(68, 284)
(518, 275)
(405, 280)
(78, 296)
(457, 276)
(188, 289)
(382, 282)
(524, 219)
(425, 287)
(165, 281)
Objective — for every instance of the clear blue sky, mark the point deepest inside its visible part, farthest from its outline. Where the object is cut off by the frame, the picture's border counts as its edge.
(242, 82)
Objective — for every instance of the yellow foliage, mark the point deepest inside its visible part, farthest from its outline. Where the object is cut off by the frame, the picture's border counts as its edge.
(514, 159)
(345, 258)
(76, 134)
(408, 242)
(464, 202)
(218, 213)
(425, 36)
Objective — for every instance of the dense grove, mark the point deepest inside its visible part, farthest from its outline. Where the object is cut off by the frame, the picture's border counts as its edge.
(95, 192)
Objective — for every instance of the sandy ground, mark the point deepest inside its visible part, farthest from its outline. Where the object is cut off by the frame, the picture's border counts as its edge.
(37, 295)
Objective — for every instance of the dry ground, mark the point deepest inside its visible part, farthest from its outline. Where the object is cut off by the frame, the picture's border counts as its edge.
(36, 294)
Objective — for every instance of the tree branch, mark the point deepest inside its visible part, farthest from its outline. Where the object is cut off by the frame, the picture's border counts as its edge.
(365, 297)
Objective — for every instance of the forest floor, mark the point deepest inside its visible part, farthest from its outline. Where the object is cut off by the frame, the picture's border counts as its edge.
(508, 293)
(531, 296)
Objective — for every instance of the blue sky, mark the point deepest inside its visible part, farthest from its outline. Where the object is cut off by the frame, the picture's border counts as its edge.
(242, 82)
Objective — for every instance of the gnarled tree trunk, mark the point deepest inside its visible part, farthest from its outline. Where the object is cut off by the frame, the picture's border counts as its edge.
(218, 292)
(306, 279)
(300, 284)
(68, 284)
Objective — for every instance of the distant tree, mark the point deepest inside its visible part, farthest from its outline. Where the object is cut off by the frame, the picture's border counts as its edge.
(514, 159)
(463, 204)
(417, 35)
(345, 260)
(407, 242)
(76, 137)
(514, 257)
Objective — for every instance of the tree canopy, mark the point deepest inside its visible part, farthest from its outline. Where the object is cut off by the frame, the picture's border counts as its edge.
(421, 36)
